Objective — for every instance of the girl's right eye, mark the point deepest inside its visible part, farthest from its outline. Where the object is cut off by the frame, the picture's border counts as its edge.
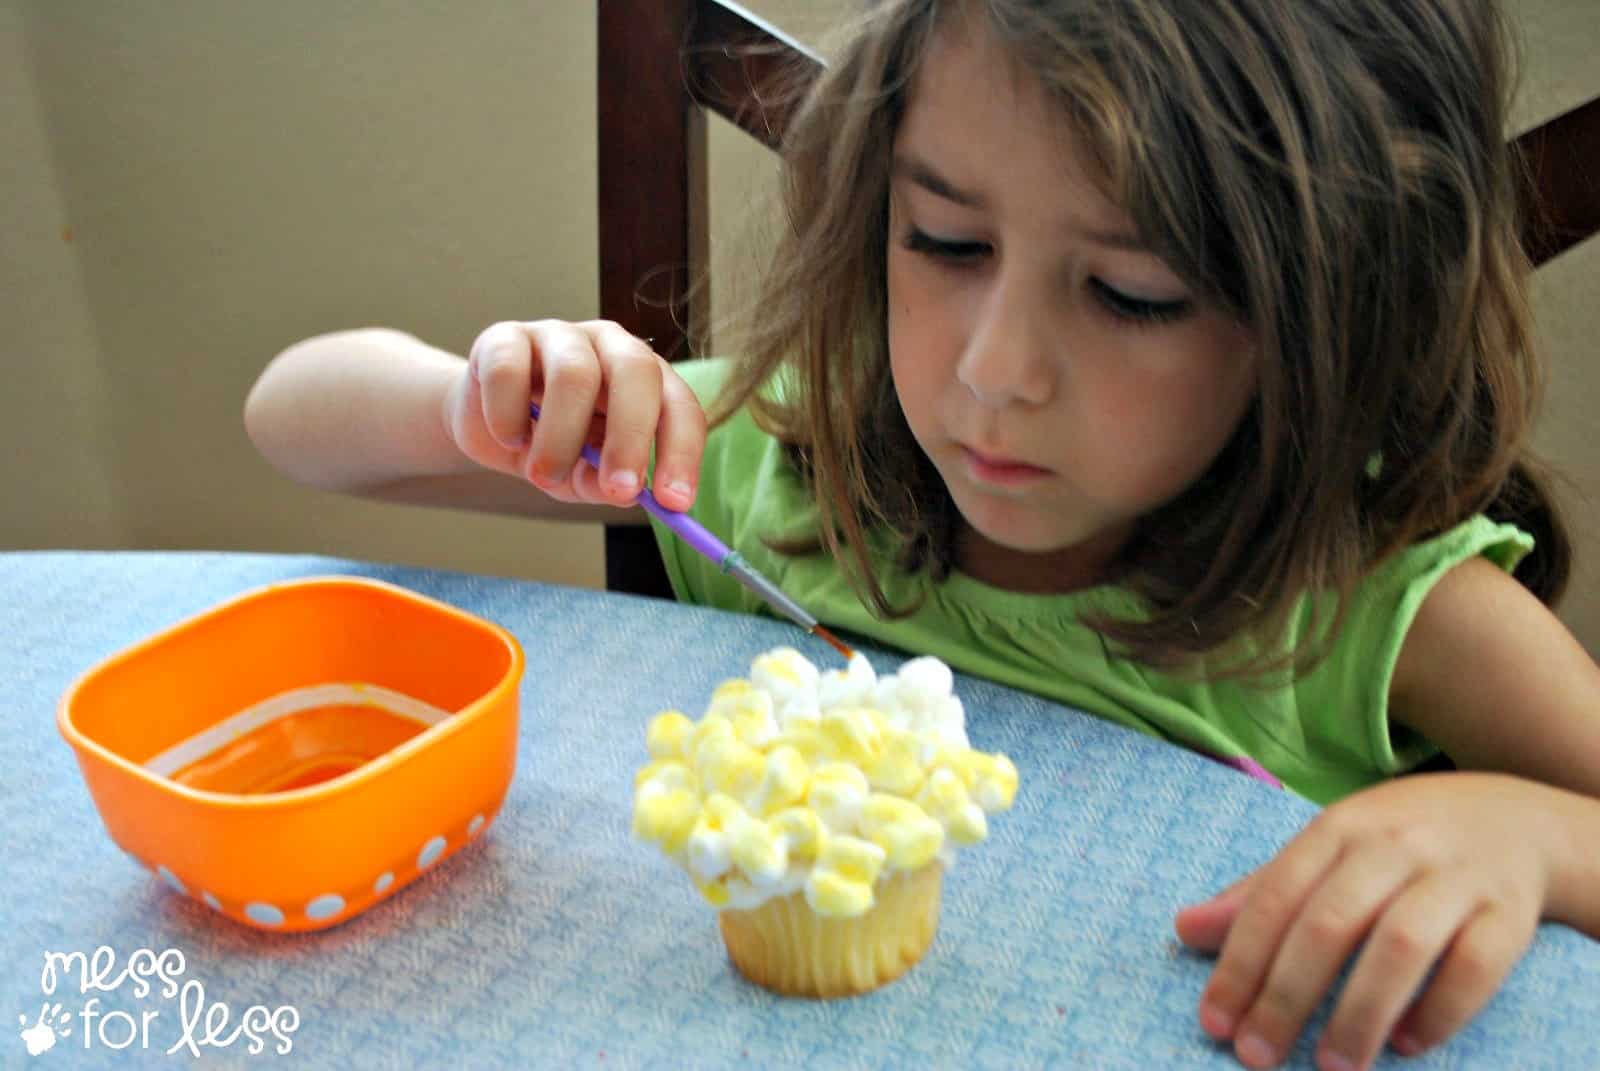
(943, 248)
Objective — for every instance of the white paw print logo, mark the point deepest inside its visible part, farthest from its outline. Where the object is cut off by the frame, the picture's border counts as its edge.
(53, 1023)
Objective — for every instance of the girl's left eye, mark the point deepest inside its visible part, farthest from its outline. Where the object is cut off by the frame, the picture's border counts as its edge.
(1136, 310)
(943, 248)
(1139, 310)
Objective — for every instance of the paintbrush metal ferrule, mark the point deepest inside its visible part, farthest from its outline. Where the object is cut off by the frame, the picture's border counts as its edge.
(735, 566)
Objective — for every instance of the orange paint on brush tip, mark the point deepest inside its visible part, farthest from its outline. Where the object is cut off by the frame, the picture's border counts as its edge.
(832, 641)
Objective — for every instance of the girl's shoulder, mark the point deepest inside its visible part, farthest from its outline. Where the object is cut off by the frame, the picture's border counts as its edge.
(1493, 677)
(1382, 608)
(1422, 563)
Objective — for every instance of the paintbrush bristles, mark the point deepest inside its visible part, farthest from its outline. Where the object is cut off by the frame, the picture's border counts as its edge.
(832, 641)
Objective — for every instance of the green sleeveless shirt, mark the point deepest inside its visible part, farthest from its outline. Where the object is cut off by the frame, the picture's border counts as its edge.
(1325, 735)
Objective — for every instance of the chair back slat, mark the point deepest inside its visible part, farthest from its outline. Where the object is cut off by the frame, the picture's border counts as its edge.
(1561, 199)
(745, 69)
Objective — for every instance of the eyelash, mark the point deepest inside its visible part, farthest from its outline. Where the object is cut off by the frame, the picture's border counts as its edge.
(1138, 310)
(1122, 306)
(960, 252)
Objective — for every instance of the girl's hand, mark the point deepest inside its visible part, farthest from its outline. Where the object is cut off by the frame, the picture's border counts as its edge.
(596, 384)
(1449, 869)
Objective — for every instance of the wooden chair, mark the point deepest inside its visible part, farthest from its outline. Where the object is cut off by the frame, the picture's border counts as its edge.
(662, 62)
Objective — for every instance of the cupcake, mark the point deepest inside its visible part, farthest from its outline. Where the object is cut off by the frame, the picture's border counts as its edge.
(818, 812)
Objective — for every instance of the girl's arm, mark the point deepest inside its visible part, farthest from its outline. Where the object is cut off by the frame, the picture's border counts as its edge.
(380, 413)
(1493, 678)
(1433, 885)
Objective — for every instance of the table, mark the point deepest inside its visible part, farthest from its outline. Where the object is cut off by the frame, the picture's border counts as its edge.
(558, 941)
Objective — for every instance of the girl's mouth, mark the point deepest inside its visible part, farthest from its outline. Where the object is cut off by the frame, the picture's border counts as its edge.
(1002, 471)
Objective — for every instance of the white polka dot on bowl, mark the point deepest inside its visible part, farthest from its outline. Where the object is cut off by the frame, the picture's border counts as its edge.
(385, 880)
(211, 901)
(171, 879)
(324, 907)
(264, 914)
(475, 825)
(430, 853)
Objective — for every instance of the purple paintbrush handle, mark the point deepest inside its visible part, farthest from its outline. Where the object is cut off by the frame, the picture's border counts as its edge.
(693, 533)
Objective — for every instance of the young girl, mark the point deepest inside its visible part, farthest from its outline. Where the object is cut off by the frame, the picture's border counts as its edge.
(1169, 359)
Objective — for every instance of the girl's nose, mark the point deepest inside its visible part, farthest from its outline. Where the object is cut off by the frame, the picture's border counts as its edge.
(1008, 359)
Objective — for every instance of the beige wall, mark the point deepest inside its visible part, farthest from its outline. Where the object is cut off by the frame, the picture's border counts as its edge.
(239, 175)
(58, 483)
(191, 185)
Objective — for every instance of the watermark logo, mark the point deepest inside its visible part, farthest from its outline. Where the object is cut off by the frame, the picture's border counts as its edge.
(199, 1022)
(51, 1025)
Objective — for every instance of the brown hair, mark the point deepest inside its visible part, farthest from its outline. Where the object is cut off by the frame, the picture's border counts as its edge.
(1331, 172)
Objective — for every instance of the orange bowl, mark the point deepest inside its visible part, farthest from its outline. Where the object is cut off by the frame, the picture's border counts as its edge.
(302, 751)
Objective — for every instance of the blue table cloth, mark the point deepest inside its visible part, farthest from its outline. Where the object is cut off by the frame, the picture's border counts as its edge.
(555, 940)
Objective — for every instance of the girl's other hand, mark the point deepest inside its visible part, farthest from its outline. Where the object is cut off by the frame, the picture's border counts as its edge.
(596, 384)
(1446, 869)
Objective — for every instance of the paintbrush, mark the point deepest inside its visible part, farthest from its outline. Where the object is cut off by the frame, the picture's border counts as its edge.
(729, 561)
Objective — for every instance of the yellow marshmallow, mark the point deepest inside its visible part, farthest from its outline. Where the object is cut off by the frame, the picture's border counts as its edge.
(721, 811)
(996, 785)
(666, 817)
(715, 892)
(896, 769)
(668, 735)
(841, 881)
(856, 732)
(834, 896)
(810, 741)
(801, 830)
(943, 790)
(945, 798)
(732, 688)
(666, 774)
(967, 826)
(964, 764)
(710, 727)
(779, 663)
(836, 793)
(757, 851)
(908, 837)
(750, 714)
(852, 858)
(750, 845)
(727, 764)
(783, 782)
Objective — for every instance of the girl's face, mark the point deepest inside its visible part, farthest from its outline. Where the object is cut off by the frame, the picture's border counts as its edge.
(1059, 376)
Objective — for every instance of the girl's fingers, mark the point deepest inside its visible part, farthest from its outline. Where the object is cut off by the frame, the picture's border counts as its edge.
(586, 484)
(568, 378)
(1398, 953)
(464, 411)
(1478, 960)
(1276, 896)
(680, 443)
(1316, 945)
(1204, 926)
(581, 487)
(501, 366)
(632, 406)
(596, 385)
